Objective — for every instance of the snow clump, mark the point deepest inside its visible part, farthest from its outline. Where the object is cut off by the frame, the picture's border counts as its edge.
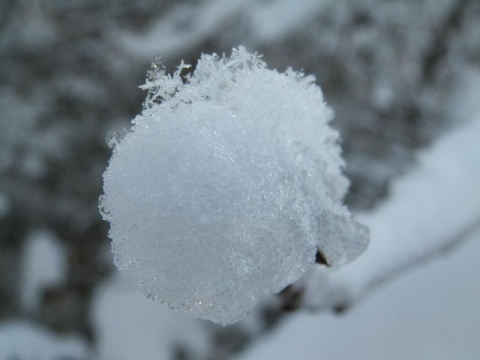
(227, 186)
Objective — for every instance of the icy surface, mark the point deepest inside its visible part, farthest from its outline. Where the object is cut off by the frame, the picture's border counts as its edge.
(227, 185)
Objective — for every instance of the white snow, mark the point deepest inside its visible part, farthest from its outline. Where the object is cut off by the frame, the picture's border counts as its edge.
(43, 265)
(430, 314)
(129, 326)
(464, 103)
(24, 340)
(434, 206)
(226, 187)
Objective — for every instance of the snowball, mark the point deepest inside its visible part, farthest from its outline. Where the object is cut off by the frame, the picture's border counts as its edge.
(227, 185)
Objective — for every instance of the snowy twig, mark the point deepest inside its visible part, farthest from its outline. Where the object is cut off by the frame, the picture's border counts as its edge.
(430, 210)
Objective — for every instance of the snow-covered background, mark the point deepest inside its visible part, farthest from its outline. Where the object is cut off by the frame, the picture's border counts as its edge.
(403, 78)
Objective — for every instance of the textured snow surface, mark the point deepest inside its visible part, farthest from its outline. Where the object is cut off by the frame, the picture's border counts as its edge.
(430, 313)
(227, 185)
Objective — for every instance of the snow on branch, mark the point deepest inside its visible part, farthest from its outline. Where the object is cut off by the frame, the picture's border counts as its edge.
(430, 209)
(228, 187)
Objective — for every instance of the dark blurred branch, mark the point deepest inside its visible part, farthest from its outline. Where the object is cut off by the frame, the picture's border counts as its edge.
(435, 55)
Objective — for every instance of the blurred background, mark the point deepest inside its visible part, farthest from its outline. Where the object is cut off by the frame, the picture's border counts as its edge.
(398, 74)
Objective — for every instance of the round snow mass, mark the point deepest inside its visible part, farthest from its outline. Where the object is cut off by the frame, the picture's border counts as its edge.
(227, 186)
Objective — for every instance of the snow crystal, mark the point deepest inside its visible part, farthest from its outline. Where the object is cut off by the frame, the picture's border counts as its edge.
(227, 185)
